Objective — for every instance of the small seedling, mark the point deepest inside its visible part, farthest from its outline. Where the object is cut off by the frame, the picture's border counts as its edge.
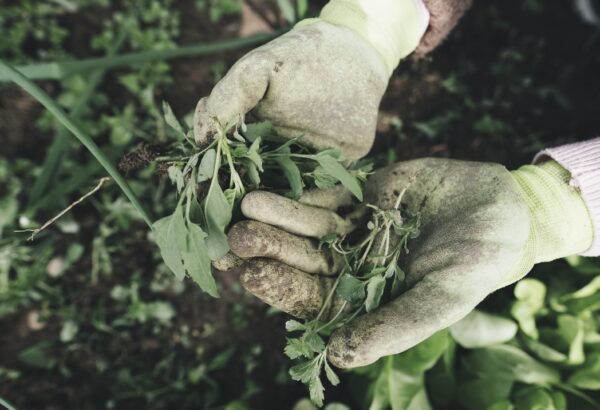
(370, 269)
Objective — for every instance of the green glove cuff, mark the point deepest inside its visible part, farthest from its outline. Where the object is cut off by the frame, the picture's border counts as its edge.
(393, 27)
(561, 222)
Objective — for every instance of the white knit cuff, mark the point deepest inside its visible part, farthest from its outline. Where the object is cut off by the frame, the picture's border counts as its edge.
(582, 160)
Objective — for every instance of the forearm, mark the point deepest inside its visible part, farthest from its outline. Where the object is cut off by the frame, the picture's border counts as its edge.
(582, 160)
(393, 27)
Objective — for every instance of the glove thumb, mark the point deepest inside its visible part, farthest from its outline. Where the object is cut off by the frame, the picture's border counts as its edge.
(236, 94)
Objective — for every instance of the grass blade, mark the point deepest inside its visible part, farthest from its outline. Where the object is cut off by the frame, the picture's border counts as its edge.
(59, 70)
(60, 115)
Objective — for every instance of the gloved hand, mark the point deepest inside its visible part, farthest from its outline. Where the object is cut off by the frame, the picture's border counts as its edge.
(323, 81)
(482, 228)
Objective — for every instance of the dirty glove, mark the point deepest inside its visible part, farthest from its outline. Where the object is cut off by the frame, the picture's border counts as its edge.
(482, 228)
(323, 81)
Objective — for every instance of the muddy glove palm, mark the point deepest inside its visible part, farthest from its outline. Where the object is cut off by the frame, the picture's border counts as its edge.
(323, 81)
(482, 229)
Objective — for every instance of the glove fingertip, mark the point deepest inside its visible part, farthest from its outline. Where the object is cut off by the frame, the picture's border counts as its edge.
(243, 241)
(341, 350)
(355, 345)
(228, 262)
(202, 129)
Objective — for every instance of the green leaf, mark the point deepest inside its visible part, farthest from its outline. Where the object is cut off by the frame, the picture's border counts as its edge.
(256, 130)
(196, 260)
(169, 234)
(304, 372)
(535, 398)
(530, 294)
(480, 329)
(301, 8)
(323, 179)
(504, 362)
(571, 330)
(501, 405)
(172, 120)
(406, 391)
(423, 356)
(314, 342)
(176, 177)
(331, 376)
(294, 325)
(237, 405)
(482, 393)
(350, 289)
(336, 170)
(583, 265)
(207, 165)
(317, 391)
(402, 388)
(191, 164)
(217, 212)
(399, 380)
(336, 406)
(375, 288)
(544, 351)
(287, 10)
(254, 155)
(252, 172)
(588, 376)
(585, 299)
(292, 174)
(531, 291)
(296, 348)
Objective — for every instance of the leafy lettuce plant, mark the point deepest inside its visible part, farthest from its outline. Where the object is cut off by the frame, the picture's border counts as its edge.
(543, 353)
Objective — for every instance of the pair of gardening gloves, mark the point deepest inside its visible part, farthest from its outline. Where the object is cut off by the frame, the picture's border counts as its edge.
(482, 227)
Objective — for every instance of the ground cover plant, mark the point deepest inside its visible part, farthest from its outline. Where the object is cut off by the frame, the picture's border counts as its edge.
(91, 316)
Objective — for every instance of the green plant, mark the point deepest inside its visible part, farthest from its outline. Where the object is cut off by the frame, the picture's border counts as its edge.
(211, 181)
(483, 363)
(368, 268)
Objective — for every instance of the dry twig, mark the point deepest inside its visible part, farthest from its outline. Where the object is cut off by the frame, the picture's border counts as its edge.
(49, 222)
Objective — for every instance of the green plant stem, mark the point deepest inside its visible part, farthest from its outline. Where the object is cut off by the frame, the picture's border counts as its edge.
(60, 70)
(6, 404)
(60, 115)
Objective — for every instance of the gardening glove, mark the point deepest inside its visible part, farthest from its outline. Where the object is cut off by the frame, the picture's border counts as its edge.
(323, 81)
(482, 228)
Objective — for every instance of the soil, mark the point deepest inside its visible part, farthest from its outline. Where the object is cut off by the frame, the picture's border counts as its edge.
(539, 84)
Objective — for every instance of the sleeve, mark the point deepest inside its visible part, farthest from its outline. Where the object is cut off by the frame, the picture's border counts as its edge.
(582, 160)
(393, 27)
